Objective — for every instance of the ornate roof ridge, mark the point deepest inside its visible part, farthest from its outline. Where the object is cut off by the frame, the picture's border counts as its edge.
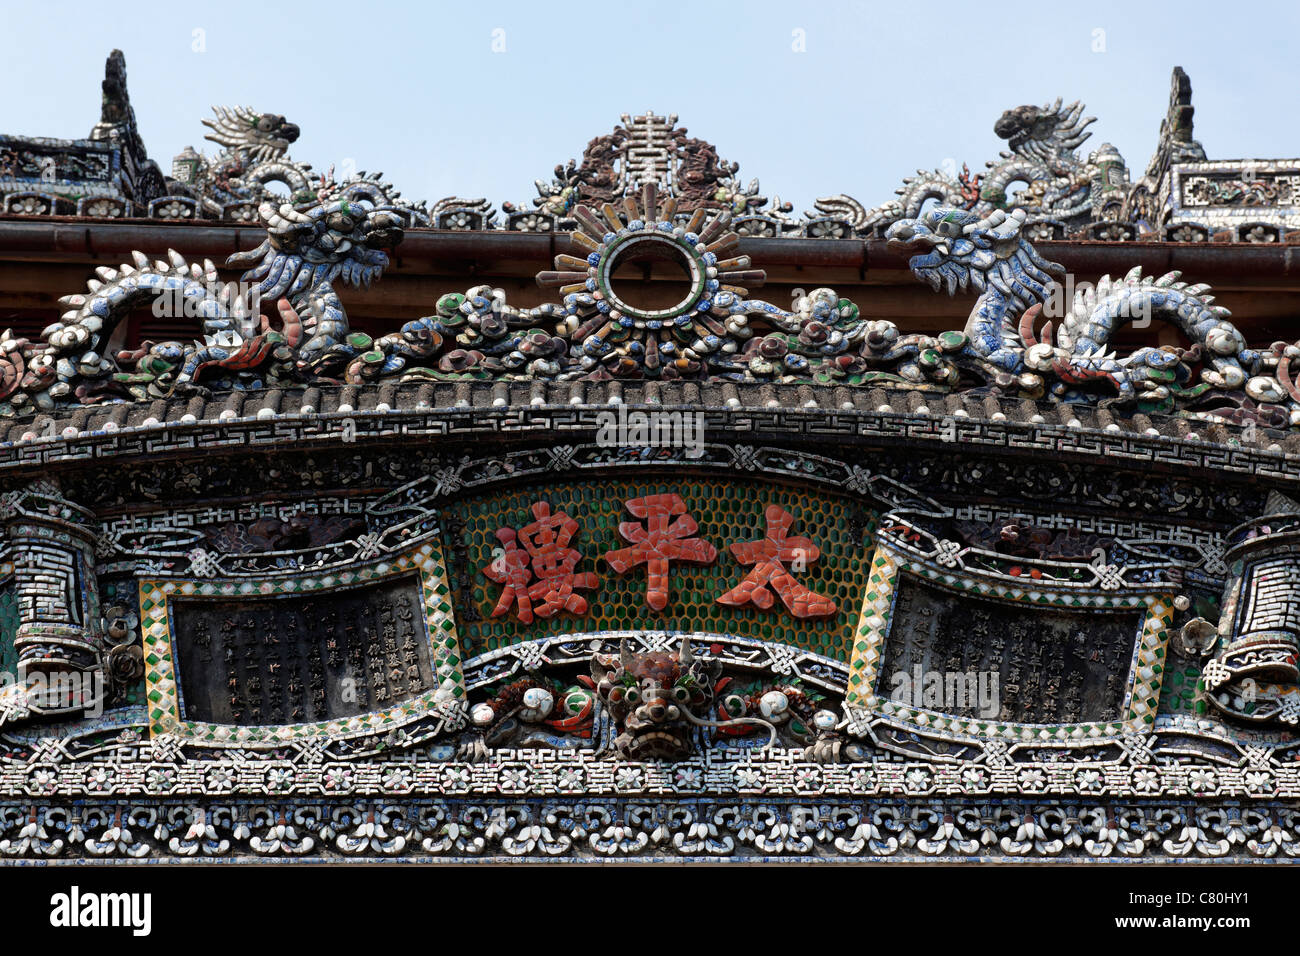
(596, 331)
(503, 407)
(1183, 197)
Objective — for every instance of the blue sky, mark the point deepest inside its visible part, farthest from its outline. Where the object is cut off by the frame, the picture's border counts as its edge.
(417, 91)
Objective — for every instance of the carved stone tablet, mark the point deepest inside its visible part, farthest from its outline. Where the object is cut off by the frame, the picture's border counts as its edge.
(1052, 665)
(299, 659)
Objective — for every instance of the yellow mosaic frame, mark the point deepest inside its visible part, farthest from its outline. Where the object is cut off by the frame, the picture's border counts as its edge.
(1141, 697)
(162, 693)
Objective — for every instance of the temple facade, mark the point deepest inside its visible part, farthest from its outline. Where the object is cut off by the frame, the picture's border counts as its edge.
(647, 519)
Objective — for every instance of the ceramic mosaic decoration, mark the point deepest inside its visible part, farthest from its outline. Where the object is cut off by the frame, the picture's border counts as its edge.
(281, 589)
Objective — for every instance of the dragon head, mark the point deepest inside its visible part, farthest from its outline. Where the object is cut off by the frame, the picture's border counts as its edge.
(655, 698)
(261, 136)
(957, 249)
(1044, 132)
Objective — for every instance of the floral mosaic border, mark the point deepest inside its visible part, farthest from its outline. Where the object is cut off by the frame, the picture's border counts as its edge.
(720, 830)
(162, 691)
(1135, 773)
(503, 830)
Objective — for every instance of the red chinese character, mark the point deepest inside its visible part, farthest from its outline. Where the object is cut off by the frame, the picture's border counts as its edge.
(769, 556)
(660, 542)
(545, 556)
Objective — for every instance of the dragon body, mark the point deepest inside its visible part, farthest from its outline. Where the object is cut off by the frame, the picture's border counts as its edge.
(1043, 142)
(959, 250)
(343, 234)
(254, 156)
(340, 237)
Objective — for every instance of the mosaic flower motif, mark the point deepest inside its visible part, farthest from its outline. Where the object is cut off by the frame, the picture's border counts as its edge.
(399, 778)
(1146, 780)
(689, 777)
(337, 779)
(1033, 779)
(917, 779)
(280, 778)
(28, 206)
(160, 778)
(1112, 233)
(756, 227)
(125, 664)
(829, 229)
(99, 778)
(862, 780)
(221, 778)
(533, 222)
(1260, 234)
(1257, 781)
(104, 209)
(1202, 780)
(514, 778)
(808, 778)
(43, 780)
(173, 210)
(569, 778)
(458, 777)
(629, 778)
(974, 778)
(748, 777)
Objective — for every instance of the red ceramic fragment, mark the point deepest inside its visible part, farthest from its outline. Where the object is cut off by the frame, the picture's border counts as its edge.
(539, 578)
(665, 537)
(769, 557)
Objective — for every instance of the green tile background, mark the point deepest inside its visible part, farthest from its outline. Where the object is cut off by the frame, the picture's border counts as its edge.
(727, 512)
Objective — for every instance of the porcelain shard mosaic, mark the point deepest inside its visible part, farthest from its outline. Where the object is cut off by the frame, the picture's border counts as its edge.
(695, 573)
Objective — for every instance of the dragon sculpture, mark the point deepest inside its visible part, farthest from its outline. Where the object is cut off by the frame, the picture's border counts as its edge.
(660, 702)
(718, 332)
(342, 235)
(654, 705)
(254, 155)
(959, 249)
(1043, 143)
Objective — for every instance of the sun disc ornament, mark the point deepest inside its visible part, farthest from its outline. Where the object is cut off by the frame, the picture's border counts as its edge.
(628, 333)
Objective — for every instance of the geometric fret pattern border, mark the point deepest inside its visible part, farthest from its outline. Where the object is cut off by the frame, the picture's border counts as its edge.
(163, 698)
(1142, 692)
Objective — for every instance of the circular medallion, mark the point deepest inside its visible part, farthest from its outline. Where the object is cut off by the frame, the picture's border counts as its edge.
(653, 243)
(635, 333)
